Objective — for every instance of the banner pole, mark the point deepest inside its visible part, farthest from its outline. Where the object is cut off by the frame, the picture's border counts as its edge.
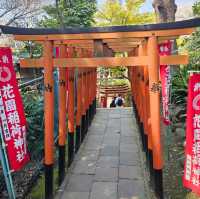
(6, 168)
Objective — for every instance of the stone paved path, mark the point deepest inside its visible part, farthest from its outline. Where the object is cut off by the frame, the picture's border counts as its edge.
(108, 165)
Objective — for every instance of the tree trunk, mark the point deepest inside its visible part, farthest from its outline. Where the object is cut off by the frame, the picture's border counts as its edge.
(165, 10)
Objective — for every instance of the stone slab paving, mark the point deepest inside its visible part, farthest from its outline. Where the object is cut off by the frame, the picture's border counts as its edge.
(108, 164)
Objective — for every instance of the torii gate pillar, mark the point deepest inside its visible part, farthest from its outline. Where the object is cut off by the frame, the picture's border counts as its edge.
(154, 94)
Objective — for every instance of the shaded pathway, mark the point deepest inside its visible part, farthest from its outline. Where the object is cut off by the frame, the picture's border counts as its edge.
(108, 165)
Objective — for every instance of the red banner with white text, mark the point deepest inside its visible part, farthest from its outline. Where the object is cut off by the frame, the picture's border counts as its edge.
(165, 49)
(12, 117)
(191, 177)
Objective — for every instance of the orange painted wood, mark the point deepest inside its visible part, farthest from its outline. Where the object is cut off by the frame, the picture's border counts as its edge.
(174, 59)
(133, 82)
(149, 130)
(101, 61)
(139, 92)
(48, 104)
(84, 92)
(62, 101)
(123, 40)
(154, 66)
(32, 63)
(131, 76)
(127, 43)
(69, 42)
(79, 96)
(71, 101)
(95, 83)
(130, 69)
(87, 89)
(91, 86)
(142, 52)
(115, 90)
(140, 74)
(137, 88)
(105, 61)
(123, 45)
(146, 109)
(95, 75)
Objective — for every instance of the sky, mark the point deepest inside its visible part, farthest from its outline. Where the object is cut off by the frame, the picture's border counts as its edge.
(148, 4)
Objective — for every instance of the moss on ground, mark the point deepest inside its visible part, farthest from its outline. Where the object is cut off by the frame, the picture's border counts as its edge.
(192, 196)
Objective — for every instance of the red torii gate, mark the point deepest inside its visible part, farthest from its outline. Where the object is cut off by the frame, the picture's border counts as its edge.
(95, 47)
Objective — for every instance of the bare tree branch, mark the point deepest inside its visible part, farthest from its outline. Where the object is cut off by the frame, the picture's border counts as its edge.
(13, 11)
(6, 12)
(20, 16)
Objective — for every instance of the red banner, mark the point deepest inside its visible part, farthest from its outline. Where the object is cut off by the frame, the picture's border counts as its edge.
(12, 117)
(165, 49)
(191, 177)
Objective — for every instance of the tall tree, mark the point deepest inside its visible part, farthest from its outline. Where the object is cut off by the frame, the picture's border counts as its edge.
(69, 13)
(114, 12)
(196, 8)
(165, 10)
(117, 12)
(192, 43)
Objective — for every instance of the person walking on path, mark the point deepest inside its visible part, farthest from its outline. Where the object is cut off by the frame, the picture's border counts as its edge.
(112, 104)
(119, 102)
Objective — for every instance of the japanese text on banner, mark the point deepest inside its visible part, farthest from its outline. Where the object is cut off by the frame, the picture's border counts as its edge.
(165, 49)
(191, 177)
(12, 117)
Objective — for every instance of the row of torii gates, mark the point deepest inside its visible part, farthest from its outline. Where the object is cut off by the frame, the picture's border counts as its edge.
(85, 49)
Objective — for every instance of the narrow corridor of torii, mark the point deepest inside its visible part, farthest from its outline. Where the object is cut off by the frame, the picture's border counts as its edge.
(85, 49)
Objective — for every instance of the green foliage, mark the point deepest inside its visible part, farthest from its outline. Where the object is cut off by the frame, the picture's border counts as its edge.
(69, 13)
(33, 106)
(196, 8)
(193, 46)
(179, 87)
(179, 93)
(33, 49)
(179, 97)
(30, 49)
(190, 44)
(112, 12)
(118, 72)
(179, 90)
(111, 82)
